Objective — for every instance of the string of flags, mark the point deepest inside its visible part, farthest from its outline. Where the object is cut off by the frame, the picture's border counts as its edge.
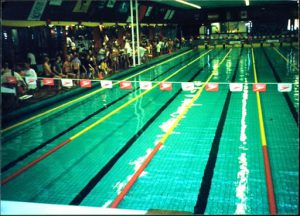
(164, 86)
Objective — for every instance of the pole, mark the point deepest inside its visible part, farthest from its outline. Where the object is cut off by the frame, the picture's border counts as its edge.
(132, 33)
(137, 31)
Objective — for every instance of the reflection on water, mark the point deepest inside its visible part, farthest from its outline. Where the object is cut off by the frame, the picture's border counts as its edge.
(242, 175)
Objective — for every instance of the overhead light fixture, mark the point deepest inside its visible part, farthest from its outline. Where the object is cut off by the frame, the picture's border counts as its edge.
(247, 2)
(188, 3)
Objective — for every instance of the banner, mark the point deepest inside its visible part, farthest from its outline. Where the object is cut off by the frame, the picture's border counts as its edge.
(48, 82)
(67, 82)
(106, 84)
(37, 10)
(85, 84)
(145, 85)
(165, 86)
(31, 82)
(236, 87)
(125, 85)
(187, 86)
(284, 87)
(212, 87)
(259, 87)
(82, 6)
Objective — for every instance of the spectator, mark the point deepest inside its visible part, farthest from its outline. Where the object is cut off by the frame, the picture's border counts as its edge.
(76, 65)
(67, 68)
(47, 69)
(31, 59)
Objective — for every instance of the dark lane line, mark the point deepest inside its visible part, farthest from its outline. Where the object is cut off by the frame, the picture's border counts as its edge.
(201, 203)
(285, 94)
(24, 156)
(94, 181)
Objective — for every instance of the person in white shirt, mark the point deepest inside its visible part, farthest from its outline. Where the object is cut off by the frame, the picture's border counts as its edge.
(29, 72)
(31, 58)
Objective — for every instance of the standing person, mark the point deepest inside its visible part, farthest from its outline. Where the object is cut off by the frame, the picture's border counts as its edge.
(30, 72)
(31, 59)
(67, 68)
(76, 63)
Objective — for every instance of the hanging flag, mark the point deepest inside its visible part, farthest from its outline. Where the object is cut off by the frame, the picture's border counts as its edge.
(284, 87)
(48, 82)
(187, 86)
(31, 82)
(11, 80)
(165, 86)
(82, 6)
(212, 87)
(106, 83)
(236, 87)
(144, 85)
(85, 83)
(67, 82)
(37, 10)
(259, 87)
(125, 85)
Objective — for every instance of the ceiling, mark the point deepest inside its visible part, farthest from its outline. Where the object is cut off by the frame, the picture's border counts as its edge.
(207, 4)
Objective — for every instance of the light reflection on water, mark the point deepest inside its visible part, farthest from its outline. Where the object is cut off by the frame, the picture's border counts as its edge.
(242, 175)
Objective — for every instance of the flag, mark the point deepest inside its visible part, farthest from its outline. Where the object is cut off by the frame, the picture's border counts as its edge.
(236, 87)
(212, 87)
(187, 86)
(106, 83)
(125, 85)
(67, 82)
(85, 83)
(144, 85)
(31, 82)
(284, 87)
(165, 86)
(11, 80)
(48, 82)
(259, 87)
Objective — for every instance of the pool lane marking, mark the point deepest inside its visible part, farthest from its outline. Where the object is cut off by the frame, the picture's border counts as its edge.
(7, 179)
(104, 170)
(208, 173)
(126, 189)
(285, 58)
(86, 96)
(22, 157)
(285, 94)
(268, 175)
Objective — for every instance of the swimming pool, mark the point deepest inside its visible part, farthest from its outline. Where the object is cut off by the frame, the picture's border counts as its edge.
(86, 152)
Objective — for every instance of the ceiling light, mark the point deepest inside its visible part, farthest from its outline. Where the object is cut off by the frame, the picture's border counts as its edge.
(190, 4)
(247, 2)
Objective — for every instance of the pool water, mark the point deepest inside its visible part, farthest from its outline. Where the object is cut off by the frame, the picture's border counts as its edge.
(93, 169)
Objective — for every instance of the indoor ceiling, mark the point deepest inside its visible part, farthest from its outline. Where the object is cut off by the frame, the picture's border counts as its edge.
(206, 4)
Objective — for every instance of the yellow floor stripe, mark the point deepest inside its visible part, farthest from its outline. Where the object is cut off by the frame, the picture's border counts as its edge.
(285, 58)
(85, 96)
(167, 134)
(260, 115)
(133, 99)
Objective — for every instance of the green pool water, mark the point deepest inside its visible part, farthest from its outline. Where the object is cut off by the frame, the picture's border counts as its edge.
(173, 178)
